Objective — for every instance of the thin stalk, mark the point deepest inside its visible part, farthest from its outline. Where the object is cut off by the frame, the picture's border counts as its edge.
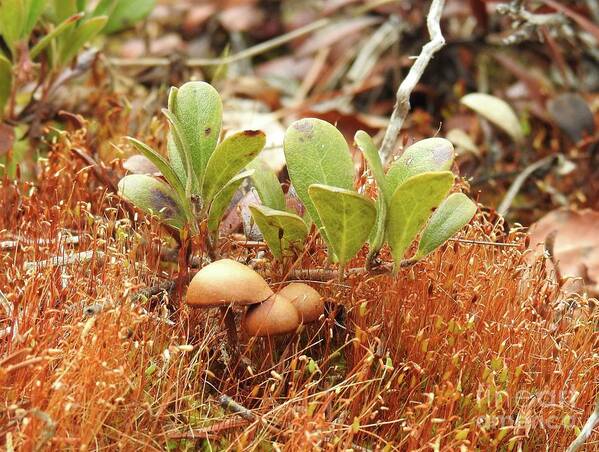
(231, 326)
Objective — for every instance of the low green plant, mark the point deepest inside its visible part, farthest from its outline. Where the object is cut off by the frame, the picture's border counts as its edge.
(412, 196)
(39, 39)
(201, 173)
(54, 32)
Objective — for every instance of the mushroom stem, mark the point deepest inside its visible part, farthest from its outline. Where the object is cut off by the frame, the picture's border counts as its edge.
(229, 320)
(183, 261)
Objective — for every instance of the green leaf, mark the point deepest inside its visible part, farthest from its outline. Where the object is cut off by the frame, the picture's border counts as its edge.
(153, 196)
(198, 107)
(346, 216)
(62, 9)
(497, 111)
(284, 232)
(371, 154)
(13, 17)
(451, 216)
(5, 82)
(411, 206)
(230, 156)
(317, 153)
(167, 171)
(431, 154)
(34, 10)
(64, 27)
(222, 200)
(103, 7)
(267, 185)
(183, 154)
(377, 235)
(126, 13)
(74, 41)
(174, 157)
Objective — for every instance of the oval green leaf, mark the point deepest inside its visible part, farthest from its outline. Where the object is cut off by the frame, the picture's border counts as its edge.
(368, 148)
(222, 200)
(284, 232)
(267, 185)
(73, 41)
(317, 153)
(430, 154)
(377, 235)
(411, 206)
(452, 215)
(126, 13)
(154, 197)
(230, 156)
(497, 111)
(198, 108)
(346, 216)
(162, 164)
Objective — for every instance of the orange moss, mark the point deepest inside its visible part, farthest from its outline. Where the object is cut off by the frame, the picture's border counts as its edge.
(462, 350)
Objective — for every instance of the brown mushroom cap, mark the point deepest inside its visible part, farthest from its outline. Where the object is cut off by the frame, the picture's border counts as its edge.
(226, 282)
(306, 300)
(275, 316)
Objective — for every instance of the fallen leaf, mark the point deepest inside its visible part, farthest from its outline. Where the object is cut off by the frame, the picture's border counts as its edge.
(572, 114)
(140, 164)
(462, 141)
(497, 111)
(575, 244)
(335, 32)
(243, 114)
(196, 17)
(241, 18)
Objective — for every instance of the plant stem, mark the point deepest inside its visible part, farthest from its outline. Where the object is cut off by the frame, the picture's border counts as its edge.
(184, 257)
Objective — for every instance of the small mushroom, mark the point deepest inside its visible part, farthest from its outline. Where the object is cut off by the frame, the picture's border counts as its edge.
(305, 299)
(275, 316)
(225, 283)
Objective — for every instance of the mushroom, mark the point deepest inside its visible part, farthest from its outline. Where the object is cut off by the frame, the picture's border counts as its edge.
(305, 299)
(275, 316)
(225, 283)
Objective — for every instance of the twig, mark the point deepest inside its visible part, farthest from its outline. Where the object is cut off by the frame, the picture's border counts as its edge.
(586, 430)
(505, 204)
(229, 404)
(247, 53)
(402, 102)
(59, 261)
(152, 291)
(485, 243)
(527, 23)
(210, 432)
(325, 274)
(11, 244)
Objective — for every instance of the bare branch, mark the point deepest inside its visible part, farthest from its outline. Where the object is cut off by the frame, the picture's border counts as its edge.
(402, 102)
(586, 430)
(247, 53)
(505, 204)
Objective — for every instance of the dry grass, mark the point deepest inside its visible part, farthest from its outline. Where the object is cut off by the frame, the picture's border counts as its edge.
(448, 355)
